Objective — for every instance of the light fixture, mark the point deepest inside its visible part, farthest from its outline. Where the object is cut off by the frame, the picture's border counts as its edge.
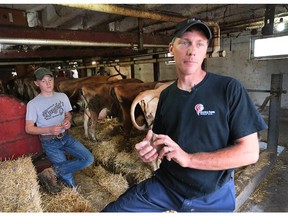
(281, 25)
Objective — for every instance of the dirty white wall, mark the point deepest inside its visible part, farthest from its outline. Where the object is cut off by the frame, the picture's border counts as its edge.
(253, 74)
(145, 72)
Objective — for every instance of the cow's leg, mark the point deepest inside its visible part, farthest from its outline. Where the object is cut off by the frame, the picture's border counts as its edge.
(127, 127)
(127, 123)
(86, 122)
(101, 116)
(93, 125)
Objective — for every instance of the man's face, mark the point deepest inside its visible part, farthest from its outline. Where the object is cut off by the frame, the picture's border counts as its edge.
(189, 51)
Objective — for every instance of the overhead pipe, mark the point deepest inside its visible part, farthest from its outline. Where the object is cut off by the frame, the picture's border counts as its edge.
(44, 42)
(216, 41)
(125, 11)
(132, 62)
(33, 62)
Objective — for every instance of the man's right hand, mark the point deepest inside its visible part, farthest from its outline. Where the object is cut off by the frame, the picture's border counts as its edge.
(145, 150)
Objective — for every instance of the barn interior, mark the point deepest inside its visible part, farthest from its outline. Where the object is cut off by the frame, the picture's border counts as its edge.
(80, 40)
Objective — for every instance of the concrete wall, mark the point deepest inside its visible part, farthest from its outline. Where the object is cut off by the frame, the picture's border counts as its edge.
(145, 72)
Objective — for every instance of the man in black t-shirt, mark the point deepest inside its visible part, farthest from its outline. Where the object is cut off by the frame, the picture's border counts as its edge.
(205, 126)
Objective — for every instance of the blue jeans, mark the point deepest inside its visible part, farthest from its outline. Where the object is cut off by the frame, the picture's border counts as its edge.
(152, 196)
(55, 150)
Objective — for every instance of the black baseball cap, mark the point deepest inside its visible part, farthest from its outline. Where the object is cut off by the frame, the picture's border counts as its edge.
(41, 72)
(182, 27)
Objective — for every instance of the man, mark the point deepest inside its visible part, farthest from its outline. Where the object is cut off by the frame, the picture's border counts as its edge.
(48, 115)
(205, 126)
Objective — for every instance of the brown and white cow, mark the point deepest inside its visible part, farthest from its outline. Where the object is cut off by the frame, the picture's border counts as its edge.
(72, 87)
(11, 87)
(148, 101)
(30, 89)
(125, 96)
(18, 89)
(99, 102)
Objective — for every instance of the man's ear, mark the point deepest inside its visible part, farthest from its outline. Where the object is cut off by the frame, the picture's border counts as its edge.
(36, 83)
(171, 49)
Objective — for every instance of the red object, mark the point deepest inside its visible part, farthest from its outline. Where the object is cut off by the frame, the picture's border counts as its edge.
(14, 141)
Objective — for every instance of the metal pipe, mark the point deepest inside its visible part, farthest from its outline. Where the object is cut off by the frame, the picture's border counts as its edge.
(140, 61)
(145, 61)
(216, 40)
(221, 53)
(125, 11)
(34, 62)
(72, 43)
(271, 91)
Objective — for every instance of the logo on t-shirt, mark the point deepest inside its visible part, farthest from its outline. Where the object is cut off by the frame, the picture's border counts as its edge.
(199, 108)
(54, 111)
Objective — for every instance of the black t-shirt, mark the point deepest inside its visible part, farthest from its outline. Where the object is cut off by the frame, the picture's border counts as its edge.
(212, 116)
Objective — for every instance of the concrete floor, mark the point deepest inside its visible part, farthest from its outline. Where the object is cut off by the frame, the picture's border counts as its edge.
(272, 193)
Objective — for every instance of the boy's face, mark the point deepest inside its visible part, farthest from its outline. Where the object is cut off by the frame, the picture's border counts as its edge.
(46, 84)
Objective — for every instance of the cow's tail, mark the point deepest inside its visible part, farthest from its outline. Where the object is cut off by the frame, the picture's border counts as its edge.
(134, 104)
(115, 106)
(119, 73)
(76, 90)
(84, 100)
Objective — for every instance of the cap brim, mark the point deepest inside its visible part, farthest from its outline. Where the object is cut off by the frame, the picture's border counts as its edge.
(183, 27)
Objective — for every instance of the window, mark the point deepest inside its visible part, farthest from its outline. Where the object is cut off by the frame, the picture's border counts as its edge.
(275, 47)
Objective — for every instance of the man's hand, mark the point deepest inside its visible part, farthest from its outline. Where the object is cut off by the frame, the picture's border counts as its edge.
(171, 150)
(145, 150)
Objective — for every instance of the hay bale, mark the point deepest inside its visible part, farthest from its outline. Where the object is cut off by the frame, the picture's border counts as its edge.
(68, 200)
(107, 126)
(88, 171)
(104, 152)
(89, 187)
(115, 168)
(132, 167)
(19, 189)
(78, 133)
(116, 184)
